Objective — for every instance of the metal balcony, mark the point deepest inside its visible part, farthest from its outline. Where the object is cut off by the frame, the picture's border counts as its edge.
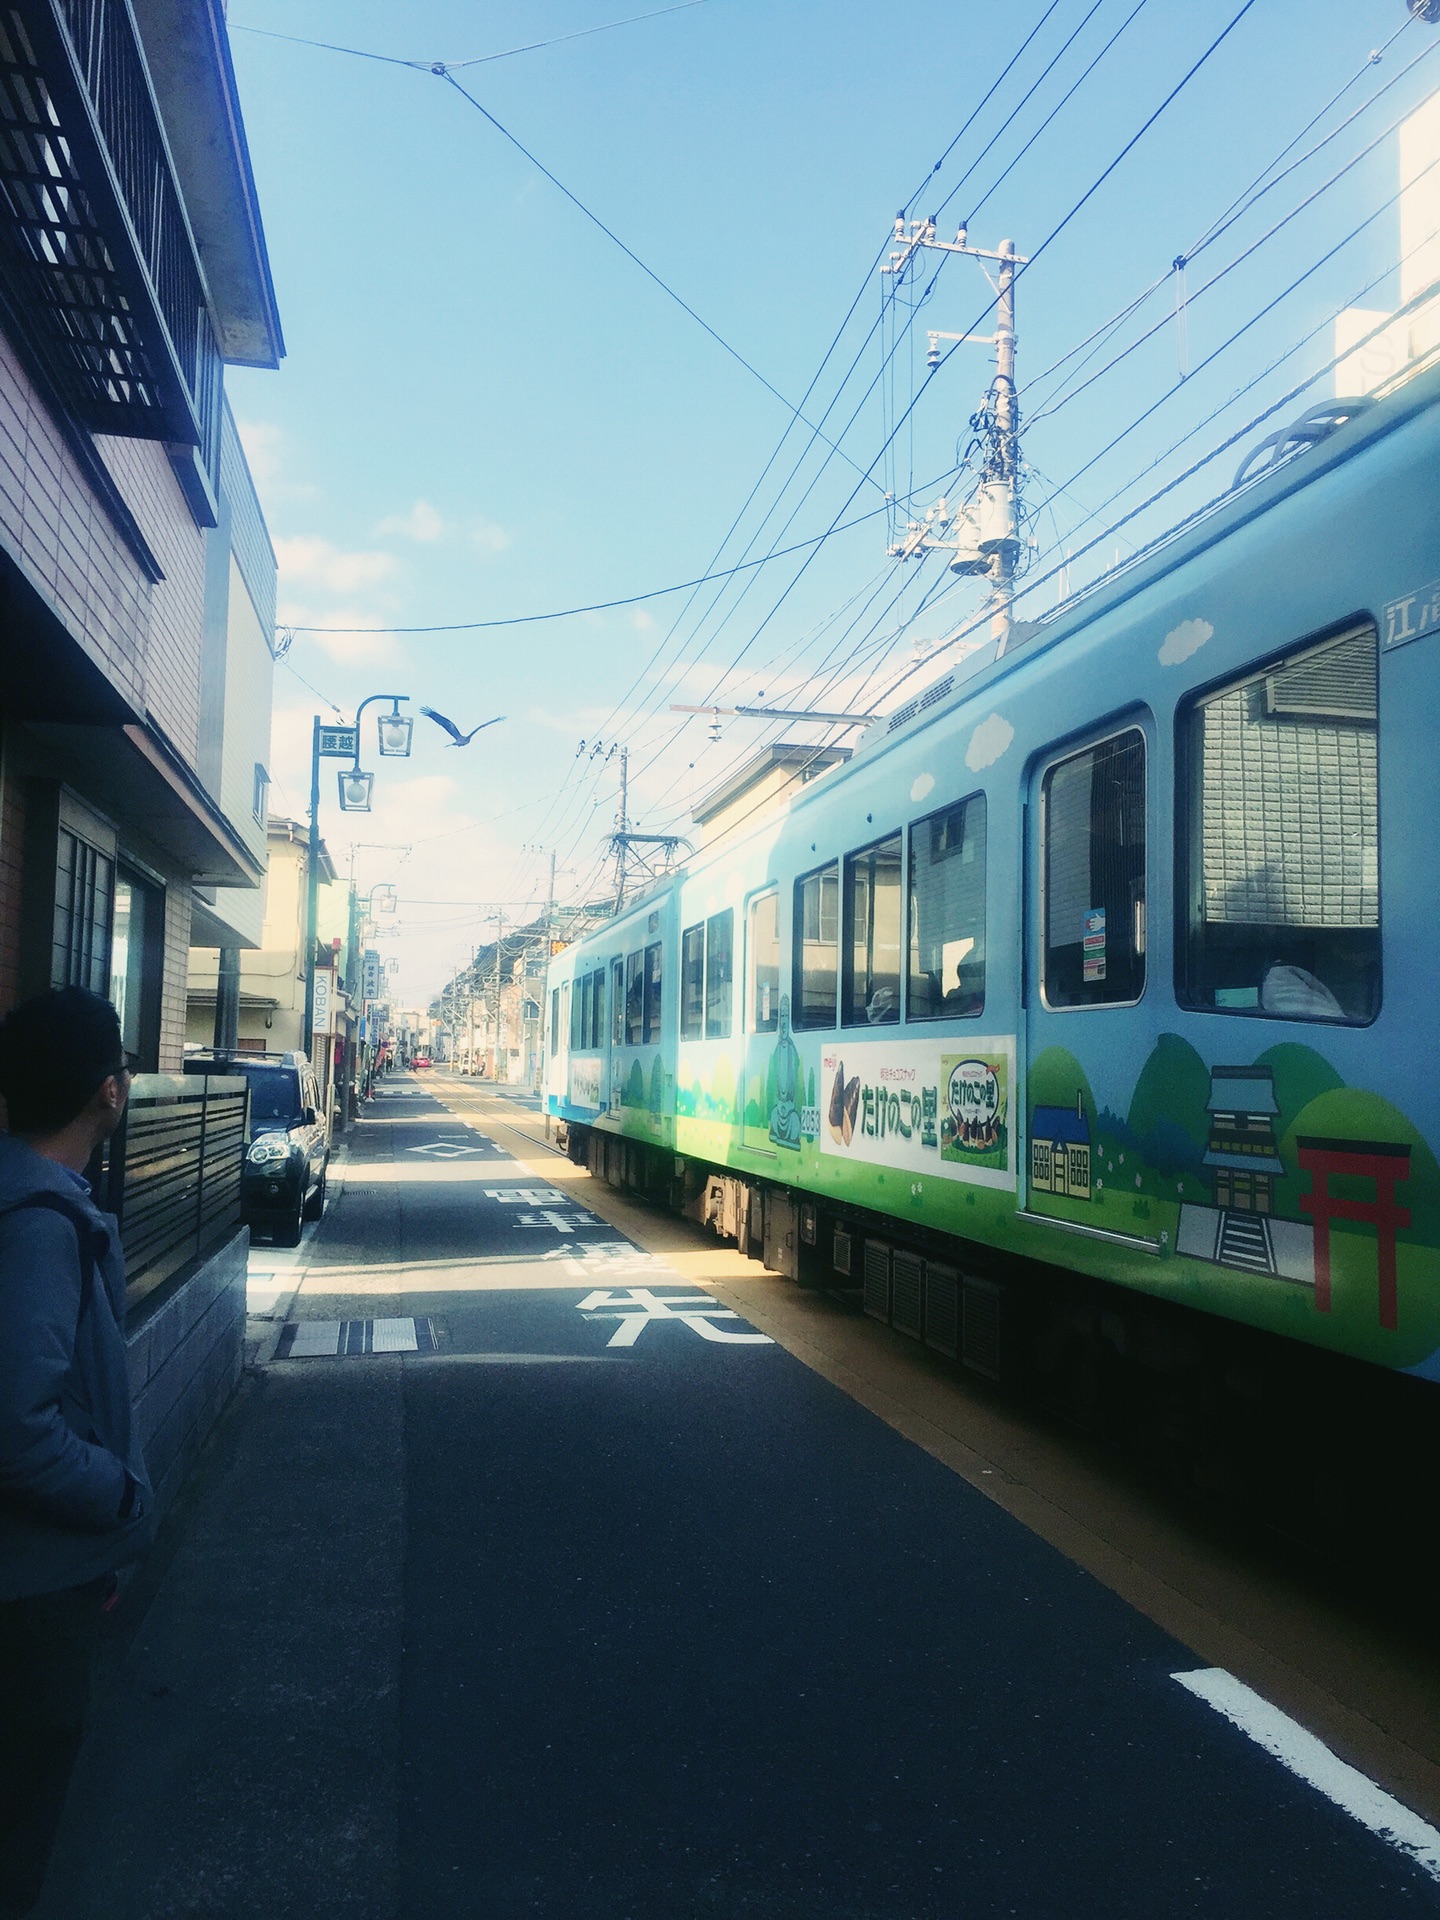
(98, 266)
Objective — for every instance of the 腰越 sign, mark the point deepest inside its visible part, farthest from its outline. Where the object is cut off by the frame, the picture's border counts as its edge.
(339, 743)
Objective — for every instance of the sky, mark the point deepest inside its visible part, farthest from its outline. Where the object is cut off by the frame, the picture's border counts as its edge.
(490, 410)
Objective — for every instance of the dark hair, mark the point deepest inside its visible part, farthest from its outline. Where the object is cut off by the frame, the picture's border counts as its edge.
(54, 1052)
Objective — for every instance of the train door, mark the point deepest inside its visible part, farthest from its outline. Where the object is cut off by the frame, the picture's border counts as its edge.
(1086, 959)
(614, 1034)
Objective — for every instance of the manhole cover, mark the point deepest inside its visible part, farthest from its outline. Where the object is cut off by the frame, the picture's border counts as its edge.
(339, 1339)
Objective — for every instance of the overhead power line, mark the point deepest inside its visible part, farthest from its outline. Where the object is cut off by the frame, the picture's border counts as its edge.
(475, 60)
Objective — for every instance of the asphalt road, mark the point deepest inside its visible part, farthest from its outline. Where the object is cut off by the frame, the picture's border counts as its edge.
(609, 1607)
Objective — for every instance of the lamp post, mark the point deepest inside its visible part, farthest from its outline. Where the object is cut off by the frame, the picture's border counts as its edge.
(393, 739)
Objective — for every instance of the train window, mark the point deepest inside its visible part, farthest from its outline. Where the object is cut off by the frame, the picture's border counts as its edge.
(692, 983)
(870, 989)
(763, 962)
(617, 1003)
(947, 914)
(817, 947)
(554, 1020)
(1283, 868)
(565, 1008)
(653, 999)
(1094, 875)
(597, 1008)
(634, 998)
(577, 998)
(719, 947)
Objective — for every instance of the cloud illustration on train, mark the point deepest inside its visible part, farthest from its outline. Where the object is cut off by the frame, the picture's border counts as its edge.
(989, 740)
(1183, 640)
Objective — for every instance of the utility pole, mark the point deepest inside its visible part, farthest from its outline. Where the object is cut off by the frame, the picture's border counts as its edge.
(622, 828)
(499, 945)
(984, 534)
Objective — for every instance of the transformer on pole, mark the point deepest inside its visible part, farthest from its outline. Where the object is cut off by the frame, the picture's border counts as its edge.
(983, 535)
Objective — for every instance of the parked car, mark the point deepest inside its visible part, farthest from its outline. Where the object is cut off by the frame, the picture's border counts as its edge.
(287, 1156)
(420, 1060)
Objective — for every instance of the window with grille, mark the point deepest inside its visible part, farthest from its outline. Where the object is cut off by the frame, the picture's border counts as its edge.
(1282, 893)
(84, 915)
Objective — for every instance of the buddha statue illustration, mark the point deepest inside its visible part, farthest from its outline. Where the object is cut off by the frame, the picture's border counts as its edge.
(785, 1115)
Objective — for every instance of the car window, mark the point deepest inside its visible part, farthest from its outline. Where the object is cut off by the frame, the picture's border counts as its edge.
(274, 1097)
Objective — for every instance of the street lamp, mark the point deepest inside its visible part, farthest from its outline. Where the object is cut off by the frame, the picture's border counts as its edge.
(393, 737)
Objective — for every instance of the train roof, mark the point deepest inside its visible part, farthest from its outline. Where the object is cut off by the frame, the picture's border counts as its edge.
(1244, 503)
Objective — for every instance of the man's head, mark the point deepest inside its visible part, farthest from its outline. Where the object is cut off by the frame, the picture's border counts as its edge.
(62, 1065)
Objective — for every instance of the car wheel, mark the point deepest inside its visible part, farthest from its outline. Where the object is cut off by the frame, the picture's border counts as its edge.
(315, 1205)
(287, 1232)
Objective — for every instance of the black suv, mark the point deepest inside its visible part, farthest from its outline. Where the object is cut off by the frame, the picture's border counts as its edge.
(282, 1183)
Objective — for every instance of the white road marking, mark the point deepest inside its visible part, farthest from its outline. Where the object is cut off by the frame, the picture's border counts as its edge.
(316, 1338)
(527, 1196)
(396, 1335)
(446, 1150)
(1314, 1762)
(638, 1307)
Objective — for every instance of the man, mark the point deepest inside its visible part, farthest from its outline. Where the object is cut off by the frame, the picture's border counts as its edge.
(73, 1490)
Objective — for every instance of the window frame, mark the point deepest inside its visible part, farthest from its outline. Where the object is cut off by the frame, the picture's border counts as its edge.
(1189, 824)
(966, 801)
(617, 999)
(692, 1026)
(654, 1020)
(797, 948)
(846, 1019)
(721, 1030)
(635, 1025)
(749, 1018)
(1053, 759)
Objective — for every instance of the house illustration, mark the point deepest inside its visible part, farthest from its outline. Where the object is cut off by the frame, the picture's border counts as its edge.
(1240, 1230)
(1060, 1150)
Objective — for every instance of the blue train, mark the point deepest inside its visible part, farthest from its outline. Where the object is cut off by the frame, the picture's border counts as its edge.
(1101, 974)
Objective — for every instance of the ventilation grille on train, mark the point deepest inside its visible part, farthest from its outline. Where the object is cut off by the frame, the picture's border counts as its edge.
(877, 1280)
(906, 1273)
(980, 1345)
(921, 701)
(942, 1309)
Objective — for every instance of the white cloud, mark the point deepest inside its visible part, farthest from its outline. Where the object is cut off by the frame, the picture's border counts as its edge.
(922, 787)
(1182, 641)
(988, 742)
(489, 537)
(271, 465)
(421, 522)
(319, 563)
(641, 621)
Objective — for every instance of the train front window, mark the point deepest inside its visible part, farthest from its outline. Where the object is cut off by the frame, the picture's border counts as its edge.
(947, 914)
(1094, 877)
(634, 999)
(817, 948)
(617, 1003)
(719, 946)
(692, 983)
(763, 963)
(871, 987)
(554, 1020)
(653, 995)
(1283, 869)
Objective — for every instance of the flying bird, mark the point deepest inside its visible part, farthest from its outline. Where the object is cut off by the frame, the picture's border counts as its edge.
(457, 738)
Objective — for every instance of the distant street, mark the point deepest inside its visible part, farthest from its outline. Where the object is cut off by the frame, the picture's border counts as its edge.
(547, 1586)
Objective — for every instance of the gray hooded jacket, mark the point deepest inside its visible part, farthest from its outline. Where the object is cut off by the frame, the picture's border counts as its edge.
(66, 1438)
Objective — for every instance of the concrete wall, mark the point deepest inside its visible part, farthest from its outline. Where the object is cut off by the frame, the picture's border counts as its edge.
(185, 1361)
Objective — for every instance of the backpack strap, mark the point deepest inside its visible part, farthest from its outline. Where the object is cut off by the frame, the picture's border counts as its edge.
(84, 1234)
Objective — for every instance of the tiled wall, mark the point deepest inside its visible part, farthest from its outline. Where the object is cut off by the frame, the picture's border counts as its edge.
(185, 1361)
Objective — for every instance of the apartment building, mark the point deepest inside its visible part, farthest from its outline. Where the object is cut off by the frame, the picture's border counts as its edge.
(137, 582)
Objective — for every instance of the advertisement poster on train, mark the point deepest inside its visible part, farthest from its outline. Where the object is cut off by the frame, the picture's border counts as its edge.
(922, 1107)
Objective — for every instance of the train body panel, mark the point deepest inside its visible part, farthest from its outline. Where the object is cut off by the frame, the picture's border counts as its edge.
(1154, 896)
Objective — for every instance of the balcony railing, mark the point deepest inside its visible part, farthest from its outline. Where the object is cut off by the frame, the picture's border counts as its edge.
(97, 253)
(172, 1174)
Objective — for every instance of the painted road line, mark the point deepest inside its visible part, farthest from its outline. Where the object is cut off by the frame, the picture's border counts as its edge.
(1313, 1761)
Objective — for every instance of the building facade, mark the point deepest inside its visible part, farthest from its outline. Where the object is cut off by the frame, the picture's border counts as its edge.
(136, 577)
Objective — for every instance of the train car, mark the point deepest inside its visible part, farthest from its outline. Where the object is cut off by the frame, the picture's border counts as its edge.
(1111, 958)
